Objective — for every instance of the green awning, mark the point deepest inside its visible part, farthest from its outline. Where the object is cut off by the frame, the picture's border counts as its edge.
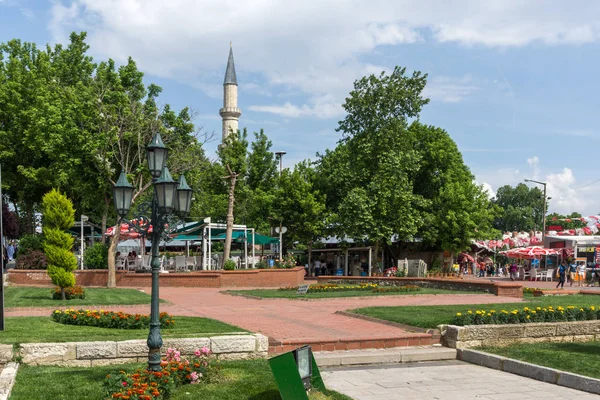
(258, 238)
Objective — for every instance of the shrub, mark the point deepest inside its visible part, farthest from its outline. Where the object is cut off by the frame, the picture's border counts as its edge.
(96, 256)
(261, 265)
(71, 292)
(34, 259)
(229, 265)
(29, 243)
(58, 217)
(109, 319)
(175, 371)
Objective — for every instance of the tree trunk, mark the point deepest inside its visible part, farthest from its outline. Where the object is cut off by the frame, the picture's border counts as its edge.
(229, 231)
(29, 215)
(104, 218)
(310, 257)
(112, 255)
(62, 293)
(374, 260)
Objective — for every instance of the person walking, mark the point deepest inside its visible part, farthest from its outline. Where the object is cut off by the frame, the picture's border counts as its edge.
(581, 273)
(562, 274)
(572, 271)
(513, 271)
(10, 250)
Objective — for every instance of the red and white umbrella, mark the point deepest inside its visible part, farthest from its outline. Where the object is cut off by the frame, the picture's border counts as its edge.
(125, 231)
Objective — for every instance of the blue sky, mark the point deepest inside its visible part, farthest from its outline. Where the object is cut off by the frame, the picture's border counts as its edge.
(514, 83)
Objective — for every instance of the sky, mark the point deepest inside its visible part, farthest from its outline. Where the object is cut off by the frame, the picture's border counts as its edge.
(515, 83)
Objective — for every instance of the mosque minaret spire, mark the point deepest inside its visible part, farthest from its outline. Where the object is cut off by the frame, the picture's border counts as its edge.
(230, 113)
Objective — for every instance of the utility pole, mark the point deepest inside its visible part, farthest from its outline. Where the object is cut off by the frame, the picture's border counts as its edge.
(544, 210)
(280, 154)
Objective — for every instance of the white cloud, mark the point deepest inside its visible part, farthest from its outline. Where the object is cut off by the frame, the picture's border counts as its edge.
(565, 198)
(489, 190)
(311, 46)
(27, 13)
(449, 90)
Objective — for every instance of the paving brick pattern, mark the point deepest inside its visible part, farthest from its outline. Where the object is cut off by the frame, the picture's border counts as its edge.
(289, 323)
(448, 380)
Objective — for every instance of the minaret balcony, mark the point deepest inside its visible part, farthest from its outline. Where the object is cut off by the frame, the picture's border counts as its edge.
(230, 112)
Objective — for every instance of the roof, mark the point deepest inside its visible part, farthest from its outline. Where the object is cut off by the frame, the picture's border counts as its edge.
(230, 77)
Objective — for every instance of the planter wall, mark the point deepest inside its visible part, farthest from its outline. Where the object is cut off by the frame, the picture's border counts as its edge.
(506, 289)
(90, 354)
(238, 278)
(462, 337)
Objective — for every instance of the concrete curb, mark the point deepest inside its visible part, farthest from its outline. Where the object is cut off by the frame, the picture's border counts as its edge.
(383, 356)
(544, 374)
(7, 379)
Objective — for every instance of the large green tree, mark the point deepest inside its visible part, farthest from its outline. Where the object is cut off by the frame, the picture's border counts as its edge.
(393, 179)
(522, 208)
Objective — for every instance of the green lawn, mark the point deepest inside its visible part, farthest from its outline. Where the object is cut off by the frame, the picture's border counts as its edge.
(579, 358)
(42, 297)
(292, 294)
(251, 379)
(432, 316)
(43, 329)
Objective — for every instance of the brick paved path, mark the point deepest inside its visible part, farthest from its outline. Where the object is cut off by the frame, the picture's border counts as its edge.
(442, 381)
(291, 320)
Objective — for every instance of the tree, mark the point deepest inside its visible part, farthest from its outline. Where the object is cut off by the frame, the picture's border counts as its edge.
(10, 223)
(300, 206)
(523, 208)
(59, 216)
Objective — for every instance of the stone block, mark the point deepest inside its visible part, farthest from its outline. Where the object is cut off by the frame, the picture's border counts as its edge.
(232, 344)
(96, 350)
(328, 359)
(481, 358)
(577, 328)
(6, 353)
(187, 346)
(468, 344)
(583, 338)
(427, 354)
(451, 332)
(530, 370)
(132, 348)
(371, 357)
(539, 330)
(262, 343)
(483, 332)
(112, 361)
(240, 356)
(46, 353)
(579, 382)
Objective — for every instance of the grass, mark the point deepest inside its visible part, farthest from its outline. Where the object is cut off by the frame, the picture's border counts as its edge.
(43, 330)
(42, 297)
(250, 379)
(292, 294)
(579, 358)
(432, 316)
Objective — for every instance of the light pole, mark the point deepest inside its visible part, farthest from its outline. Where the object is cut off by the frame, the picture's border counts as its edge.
(169, 196)
(280, 154)
(84, 218)
(544, 210)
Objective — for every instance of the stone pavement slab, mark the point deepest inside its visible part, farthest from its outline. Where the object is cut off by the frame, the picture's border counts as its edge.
(445, 380)
(384, 356)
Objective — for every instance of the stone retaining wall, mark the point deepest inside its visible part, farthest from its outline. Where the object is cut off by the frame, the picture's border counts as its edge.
(266, 278)
(90, 354)
(506, 289)
(462, 337)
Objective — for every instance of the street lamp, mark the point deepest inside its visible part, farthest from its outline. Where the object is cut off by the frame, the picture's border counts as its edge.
(280, 154)
(169, 196)
(84, 218)
(544, 211)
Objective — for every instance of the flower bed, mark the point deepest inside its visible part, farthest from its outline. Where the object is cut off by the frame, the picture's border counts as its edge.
(526, 315)
(175, 371)
(73, 292)
(367, 287)
(109, 319)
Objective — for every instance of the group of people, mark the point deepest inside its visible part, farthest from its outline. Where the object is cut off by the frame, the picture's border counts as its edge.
(574, 272)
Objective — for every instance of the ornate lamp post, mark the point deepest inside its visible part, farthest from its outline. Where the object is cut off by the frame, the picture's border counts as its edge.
(169, 196)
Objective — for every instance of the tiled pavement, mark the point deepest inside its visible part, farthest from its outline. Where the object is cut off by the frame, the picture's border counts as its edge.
(296, 321)
(448, 380)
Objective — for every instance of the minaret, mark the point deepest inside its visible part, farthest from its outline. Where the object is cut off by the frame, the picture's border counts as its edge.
(230, 111)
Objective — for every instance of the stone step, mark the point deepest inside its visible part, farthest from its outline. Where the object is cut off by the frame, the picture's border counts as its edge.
(384, 356)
